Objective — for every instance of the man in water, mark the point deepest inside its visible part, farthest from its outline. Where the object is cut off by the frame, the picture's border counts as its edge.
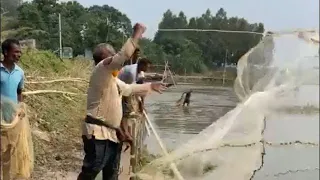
(102, 136)
(187, 97)
(12, 76)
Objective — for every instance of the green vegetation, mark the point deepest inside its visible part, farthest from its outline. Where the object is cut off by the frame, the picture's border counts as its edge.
(56, 115)
(83, 27)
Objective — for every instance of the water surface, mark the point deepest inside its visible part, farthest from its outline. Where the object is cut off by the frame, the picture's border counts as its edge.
(176, 125)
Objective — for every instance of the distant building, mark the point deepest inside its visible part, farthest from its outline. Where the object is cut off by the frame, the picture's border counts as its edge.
(28, 43)
(88, 54)
(67, 52)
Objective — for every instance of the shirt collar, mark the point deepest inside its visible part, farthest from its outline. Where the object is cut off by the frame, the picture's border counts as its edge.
(14, 69)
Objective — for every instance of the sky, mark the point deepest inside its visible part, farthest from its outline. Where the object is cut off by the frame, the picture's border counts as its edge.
(275, 14)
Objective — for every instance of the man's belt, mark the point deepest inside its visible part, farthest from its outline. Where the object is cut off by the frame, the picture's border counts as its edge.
(92, 120)
(119, 133)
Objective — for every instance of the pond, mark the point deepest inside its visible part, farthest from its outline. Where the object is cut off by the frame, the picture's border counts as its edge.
(176, 125)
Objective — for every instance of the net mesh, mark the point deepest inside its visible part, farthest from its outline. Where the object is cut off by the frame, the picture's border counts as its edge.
(16, 141)
(268, 77)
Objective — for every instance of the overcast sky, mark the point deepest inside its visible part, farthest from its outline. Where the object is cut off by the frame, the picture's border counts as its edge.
(275, 14)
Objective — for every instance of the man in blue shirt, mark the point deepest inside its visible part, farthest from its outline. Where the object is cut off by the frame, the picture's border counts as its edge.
(12, 76)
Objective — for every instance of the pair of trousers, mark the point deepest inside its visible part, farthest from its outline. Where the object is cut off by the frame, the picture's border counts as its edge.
(100, 155)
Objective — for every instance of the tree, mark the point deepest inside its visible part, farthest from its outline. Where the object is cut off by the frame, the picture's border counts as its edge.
(84, 28)
(212, 46)
(9, 7)
(106, 24)
(81, 27)
(152, 51)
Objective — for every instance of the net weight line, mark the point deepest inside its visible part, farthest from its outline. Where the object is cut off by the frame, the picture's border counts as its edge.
(266, 143)
(293, 171)
(289, 143)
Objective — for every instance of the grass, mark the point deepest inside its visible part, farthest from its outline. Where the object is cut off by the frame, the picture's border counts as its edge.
(147, 158)
(57, 115)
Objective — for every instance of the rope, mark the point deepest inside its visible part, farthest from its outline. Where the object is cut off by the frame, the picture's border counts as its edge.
(243, 32)
(213, 30)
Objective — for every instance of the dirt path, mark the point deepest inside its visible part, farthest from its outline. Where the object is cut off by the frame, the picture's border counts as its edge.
(72, 175)
(125, 166)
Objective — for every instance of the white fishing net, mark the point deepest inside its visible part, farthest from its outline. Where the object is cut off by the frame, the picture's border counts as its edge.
(17, 156)
(268, 78)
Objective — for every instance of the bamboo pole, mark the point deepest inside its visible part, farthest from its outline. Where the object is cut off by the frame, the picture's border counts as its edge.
(49, 91)
(164, 150)
(57, 80)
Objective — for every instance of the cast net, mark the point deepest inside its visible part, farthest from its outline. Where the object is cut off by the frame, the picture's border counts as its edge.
(270, 77)
(16, 142)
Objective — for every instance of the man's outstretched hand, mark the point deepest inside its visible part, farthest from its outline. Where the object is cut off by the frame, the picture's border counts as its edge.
(158, 86)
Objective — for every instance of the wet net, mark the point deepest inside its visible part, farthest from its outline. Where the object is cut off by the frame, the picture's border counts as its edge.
(16, 142)
(273, 76)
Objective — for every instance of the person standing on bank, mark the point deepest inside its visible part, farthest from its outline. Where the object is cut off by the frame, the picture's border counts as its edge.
(12, 76)
(102, 136)
(130, 75)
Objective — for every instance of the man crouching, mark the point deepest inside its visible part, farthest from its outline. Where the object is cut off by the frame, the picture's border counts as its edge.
(102, 136)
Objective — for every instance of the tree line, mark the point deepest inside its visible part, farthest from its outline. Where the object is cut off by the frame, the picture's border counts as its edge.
(84, 27)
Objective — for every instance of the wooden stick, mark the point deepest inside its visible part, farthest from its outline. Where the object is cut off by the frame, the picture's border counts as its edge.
(174, 83)
(39, 77)
(145, 122)
(164, 150)
(57, 80)
(48, 91)
(147, 127)
(164, 75)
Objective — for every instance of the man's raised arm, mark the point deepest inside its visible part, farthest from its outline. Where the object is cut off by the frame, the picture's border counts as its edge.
(127, 50)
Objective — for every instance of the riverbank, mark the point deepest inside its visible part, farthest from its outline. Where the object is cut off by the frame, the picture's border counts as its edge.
(55, 96)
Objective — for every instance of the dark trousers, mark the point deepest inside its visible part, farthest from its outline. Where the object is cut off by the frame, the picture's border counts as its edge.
(186, 101)
(100, 155)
